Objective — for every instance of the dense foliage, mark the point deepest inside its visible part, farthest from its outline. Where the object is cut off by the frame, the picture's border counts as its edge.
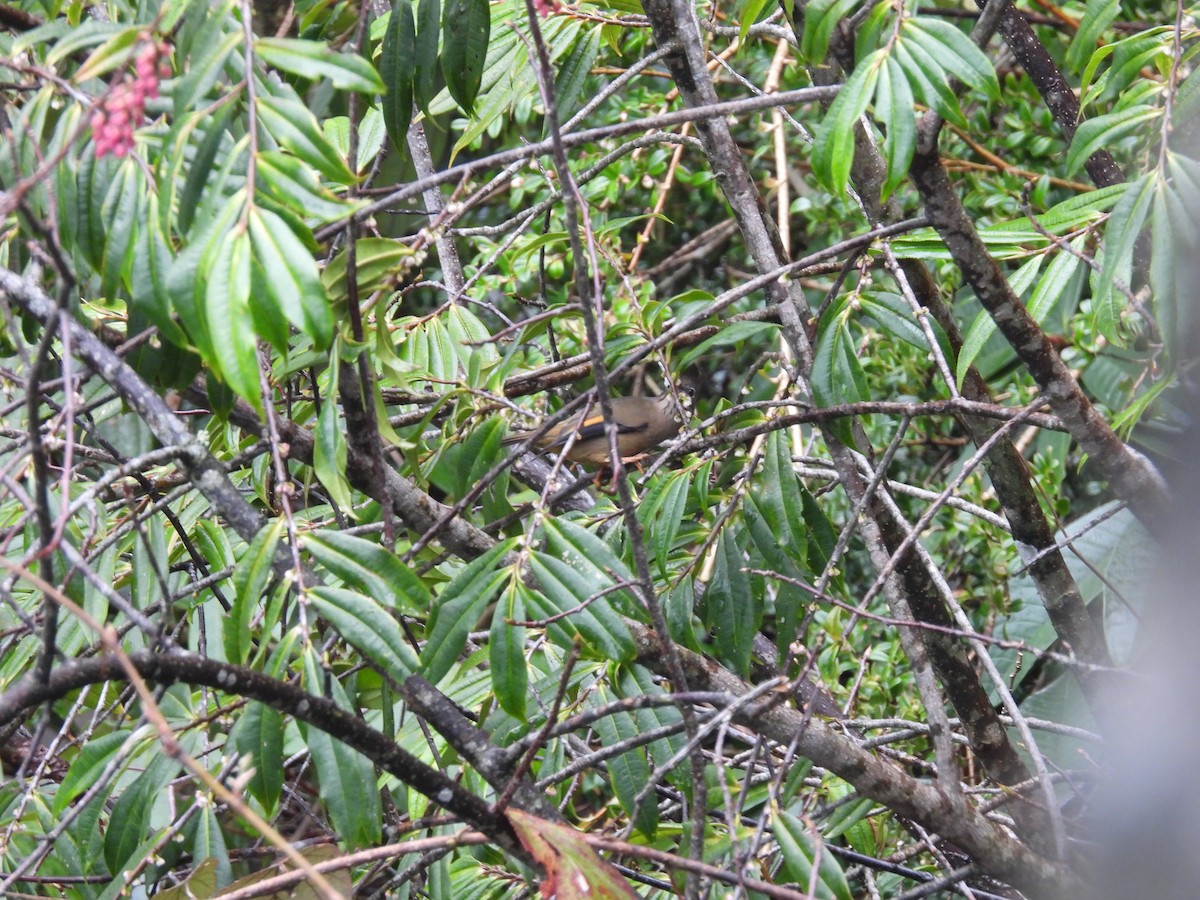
(277, 279)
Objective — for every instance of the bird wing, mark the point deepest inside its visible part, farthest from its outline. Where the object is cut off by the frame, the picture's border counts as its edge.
(593, 427)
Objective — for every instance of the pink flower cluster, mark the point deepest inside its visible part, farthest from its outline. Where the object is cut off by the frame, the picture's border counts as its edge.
(121, 111)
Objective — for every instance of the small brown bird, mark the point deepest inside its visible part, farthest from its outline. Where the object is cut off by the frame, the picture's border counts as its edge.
(642, 423)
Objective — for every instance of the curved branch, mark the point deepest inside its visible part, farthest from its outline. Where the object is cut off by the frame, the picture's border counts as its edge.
(319, 712)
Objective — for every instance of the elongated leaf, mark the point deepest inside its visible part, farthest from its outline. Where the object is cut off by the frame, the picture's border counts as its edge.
(122, 213)
(670, 518)
(372, 569)
(820, 18)
(734, 613)
(227, 315)
(294, 126)
(630, 771)
(292, 182)
(566, 588)
(258, 736)
(575, 69)
(250, 578)
(734, 335)
(1121, 234)
(315, 61)
(833, 149)
(457, 610)
(148, 277)
(129, 821)
(329, 456)
(466, 25)
(838, 375)
(116, 51)
(1097, 16)
(377, 259)
(368, 627)
(291, 274)
(747, 16)
(895, 112)
(506, 651)
(86, 767)
(894, 316)
(426, 77)
(954, 51)
(800, 854)
(1052, 287)
(1102, 132)
(928, 80)
(347, 778)
(984, 327)
(397, 64)
(584, 552)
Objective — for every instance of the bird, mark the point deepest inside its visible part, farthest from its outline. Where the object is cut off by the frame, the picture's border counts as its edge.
(642, 424)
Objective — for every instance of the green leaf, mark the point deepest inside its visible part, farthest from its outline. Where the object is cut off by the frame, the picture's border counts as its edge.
(347, 778)
(122, 215)
(506, 651)
(574, 72)
(425, 79)
(293, 125)
(1103, 132)
(93, 757)
(466, 25)
(208, 844)
(397, 64)
(1097, 16)
(800, 853)
(292, 182)
(329, 456)
(368, 627)
(895, 317)
(838, 375)
(148, 278)
(820, 19)
(1175, 225)
(315, 61)
(748, 15)
(116, 51)
(1120, 236)
(227, 315)
(954, 51)
(783, 501)
(370, 568)
(670, 517)
(1054, 284)
(629, 772)
(214, 134)
(457, 610)
(210, 52)
(833, 149)
(733, 612)
(895, 111)
(928, 80)
(371, 132)
(983, 327)
(129, 821)
(258, 736)
(734, 335)
(565, 590)
(377, 260)
(292, 280)
(584, 552)
(250, 578)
